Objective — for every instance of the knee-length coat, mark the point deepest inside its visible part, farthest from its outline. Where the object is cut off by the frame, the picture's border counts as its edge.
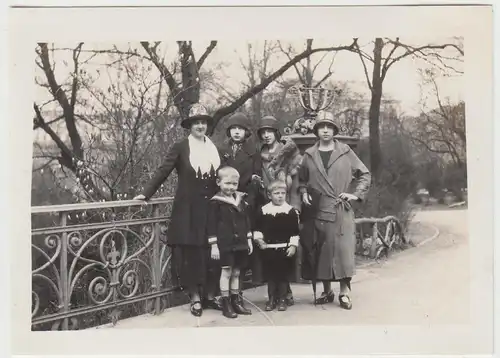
(188, 223)
(331, 215)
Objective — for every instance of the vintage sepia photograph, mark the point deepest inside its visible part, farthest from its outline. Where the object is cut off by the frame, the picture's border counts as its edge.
(261, 180)
(249, 183)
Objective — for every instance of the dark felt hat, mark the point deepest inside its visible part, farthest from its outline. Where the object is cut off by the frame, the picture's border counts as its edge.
(239, 119)
(269, 122)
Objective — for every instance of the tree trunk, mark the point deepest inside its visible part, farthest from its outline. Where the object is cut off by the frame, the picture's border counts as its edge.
(374, 113)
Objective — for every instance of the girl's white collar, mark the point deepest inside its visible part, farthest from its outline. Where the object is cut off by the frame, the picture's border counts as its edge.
(271, 209)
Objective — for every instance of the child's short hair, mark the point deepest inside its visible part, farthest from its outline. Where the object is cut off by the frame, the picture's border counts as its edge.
(276, 184)
(227, 171)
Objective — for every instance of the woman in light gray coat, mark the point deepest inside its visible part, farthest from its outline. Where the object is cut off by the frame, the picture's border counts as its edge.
(325, 177)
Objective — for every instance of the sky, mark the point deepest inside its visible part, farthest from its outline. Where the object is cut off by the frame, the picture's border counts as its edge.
(402, 83)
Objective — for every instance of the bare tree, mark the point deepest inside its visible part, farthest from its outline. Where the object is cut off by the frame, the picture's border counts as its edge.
(109, 129)
(191, 69)
(257, 69)
(442, 129)
(395, 51)
(306, 72)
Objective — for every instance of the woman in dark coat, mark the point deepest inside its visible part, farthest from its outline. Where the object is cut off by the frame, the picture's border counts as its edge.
(325, 176)
(196, 160)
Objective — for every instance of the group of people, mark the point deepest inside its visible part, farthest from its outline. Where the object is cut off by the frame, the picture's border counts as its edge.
(239, 206)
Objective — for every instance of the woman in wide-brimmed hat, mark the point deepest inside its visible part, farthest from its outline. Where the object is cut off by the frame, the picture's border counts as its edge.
(196, 160)
(328, 231)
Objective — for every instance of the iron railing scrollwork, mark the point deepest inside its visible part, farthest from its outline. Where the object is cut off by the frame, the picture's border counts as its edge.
(85, 269)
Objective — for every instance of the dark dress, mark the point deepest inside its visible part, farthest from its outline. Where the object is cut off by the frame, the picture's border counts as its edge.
(186, 233)
(229, 227)
(280, 228)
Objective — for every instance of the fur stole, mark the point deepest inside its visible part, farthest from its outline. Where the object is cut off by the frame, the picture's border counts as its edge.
(285, 162)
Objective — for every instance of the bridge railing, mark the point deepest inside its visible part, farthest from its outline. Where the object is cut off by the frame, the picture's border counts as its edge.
(116, 257)
(95, 263)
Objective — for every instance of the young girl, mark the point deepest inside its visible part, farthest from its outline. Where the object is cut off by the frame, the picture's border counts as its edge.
(277, 234)
(230, 237)
(280, 158)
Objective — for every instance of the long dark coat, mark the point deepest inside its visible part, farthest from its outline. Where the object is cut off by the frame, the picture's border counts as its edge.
(247, 162)
(338, 252)
(188, 222)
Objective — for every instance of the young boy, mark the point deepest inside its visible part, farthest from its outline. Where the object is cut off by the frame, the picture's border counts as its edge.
(277, 234)
(230, 238)
(240, 153)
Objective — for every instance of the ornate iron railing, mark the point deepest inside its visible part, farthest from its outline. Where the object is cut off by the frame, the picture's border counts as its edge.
(95, 263)
(115, 259)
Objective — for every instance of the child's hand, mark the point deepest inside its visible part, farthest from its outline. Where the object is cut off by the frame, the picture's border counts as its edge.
(250, 246)
(261, 244)
(291, 251)
(214, 253)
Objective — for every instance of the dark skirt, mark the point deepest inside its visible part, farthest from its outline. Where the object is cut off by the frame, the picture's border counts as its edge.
(193, 268)
(277, 267)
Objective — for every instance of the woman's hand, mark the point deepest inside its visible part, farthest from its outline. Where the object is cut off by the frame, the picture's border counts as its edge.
(348, 197)
(214, 252)
(306, 199)
(250, 246)
(291, 251)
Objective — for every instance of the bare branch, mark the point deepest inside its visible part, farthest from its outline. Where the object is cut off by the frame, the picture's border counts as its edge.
(61, 97)
(74, 87)
(167, 75)
(207, 52)
(222, 112)
(367, 76)
(328, 74)
(288, 55)
(419, 50)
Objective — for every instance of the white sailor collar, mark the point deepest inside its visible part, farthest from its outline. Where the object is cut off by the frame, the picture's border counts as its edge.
(235, 201)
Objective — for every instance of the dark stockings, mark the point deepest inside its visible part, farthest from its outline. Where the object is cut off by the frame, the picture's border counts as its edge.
(277, 289)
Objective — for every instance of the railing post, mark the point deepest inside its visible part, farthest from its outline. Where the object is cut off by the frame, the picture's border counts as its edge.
(156, 259)
(64, 270)
(373, 248)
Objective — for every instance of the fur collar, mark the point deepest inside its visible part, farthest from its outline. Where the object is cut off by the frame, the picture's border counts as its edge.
(271, 209)
(236, 201)
(286, 150)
